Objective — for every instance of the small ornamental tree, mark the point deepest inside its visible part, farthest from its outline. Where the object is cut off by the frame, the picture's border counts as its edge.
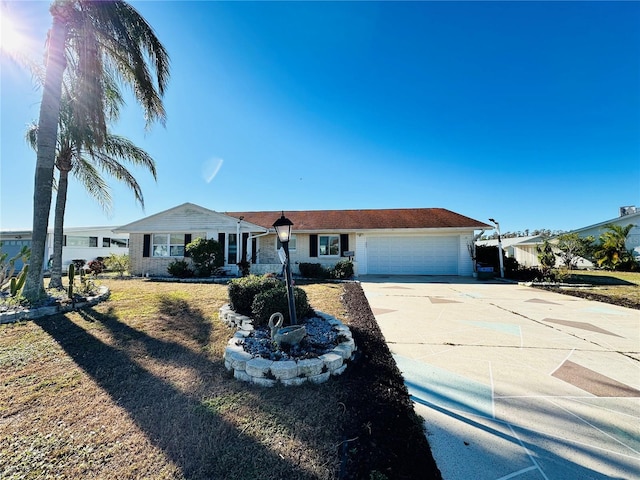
(117, 263)
(546, 257)
(573, 247)
(206, 254)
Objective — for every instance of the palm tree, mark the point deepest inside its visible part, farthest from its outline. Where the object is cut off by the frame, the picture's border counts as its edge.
(96, 40)
(612, 252)
(76, 153)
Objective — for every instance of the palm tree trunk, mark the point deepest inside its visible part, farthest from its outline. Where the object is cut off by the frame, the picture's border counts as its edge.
(58, 229)
(47, 134)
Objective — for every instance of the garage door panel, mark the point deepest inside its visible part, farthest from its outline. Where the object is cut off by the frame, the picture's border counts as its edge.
(413, 255)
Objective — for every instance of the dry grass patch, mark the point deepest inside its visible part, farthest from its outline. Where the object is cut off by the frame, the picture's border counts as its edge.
(618, 288)
(135, 388)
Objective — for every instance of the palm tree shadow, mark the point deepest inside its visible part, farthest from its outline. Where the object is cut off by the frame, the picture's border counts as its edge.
(201, 443)
(180, 315)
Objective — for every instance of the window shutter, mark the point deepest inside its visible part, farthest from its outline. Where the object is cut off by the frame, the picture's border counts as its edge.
(245, 238)
(221, 240)
(313, 245)
(254, 250)
(64, 240)
(146, 245)
(187, 241)
(344, 243)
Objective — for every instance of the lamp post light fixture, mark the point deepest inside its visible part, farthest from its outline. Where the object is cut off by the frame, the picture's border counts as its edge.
(499, 246)
(283, 230)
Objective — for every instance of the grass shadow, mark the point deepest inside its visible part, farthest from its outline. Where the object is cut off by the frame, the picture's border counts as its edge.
(195, 438)
(598, 279)
(179, 315)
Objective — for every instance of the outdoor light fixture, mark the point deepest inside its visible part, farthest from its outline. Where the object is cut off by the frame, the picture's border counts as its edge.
(499, 246)
(283, 230)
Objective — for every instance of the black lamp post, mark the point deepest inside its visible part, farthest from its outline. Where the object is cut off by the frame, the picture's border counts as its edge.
(499, 247)
(283, 230)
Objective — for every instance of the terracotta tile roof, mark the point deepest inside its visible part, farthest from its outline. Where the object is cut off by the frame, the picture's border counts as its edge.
(365, 219)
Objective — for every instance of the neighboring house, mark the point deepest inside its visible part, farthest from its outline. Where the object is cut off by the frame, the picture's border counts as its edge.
(11, 242)
(85, 243)
(523, 249)
(628, 215)
(420, 241)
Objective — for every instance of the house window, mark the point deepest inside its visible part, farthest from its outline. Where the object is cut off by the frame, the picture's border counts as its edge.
(168, 245)
(77, 241)
(232, 248)
(329, 245)
(115, 242)
(292, 243)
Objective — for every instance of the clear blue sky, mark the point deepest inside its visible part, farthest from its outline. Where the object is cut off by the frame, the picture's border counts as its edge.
(525, 112)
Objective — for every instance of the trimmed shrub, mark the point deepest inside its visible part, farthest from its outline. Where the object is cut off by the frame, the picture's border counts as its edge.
(180, 269)
(243, 290)
(207, 256)
(313, 270)
(275, 300)
(342, 270)
(118, 263)
(96, 266)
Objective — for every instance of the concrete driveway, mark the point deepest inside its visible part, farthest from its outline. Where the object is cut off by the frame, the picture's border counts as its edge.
(515, 382)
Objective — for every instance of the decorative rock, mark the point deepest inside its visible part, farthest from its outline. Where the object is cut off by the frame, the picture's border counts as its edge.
(258, 367)
(310, 366)
(288, 372)
(239, 360)
(344, 350)
(241, 375)
(263, 382)
(332, 361)
(321, 378)
(285, 370)
(350, 343)
(294, 382)
(232, 346)
(339, 371)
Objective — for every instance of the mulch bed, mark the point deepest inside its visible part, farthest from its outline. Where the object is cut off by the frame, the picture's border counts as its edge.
(383, 437)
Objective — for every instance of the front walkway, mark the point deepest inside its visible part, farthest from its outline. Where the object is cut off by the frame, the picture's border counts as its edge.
(515, 382)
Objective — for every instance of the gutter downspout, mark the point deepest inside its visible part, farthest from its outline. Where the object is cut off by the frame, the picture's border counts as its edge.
(238, 241)
(252, 236)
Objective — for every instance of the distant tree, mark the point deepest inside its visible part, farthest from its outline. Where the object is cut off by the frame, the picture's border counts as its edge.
(573, 247)
(611, 253)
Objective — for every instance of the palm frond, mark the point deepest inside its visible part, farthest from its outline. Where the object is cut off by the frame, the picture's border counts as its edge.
(87, 174)
(130, 44)
(118, 171)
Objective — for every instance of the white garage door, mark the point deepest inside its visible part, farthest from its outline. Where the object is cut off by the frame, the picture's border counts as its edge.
(412, 255)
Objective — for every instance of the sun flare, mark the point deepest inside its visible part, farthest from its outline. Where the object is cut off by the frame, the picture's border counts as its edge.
(14, 40)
